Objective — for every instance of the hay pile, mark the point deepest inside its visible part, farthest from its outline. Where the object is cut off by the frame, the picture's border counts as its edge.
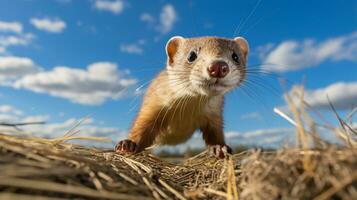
(38, 168)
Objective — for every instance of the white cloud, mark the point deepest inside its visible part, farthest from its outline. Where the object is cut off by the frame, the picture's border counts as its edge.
(253, 115)
(9, 109)
(14, 27)
(294, 55)
(18, 40)
(14, 67)
(166, 20)
(8, 118)
(131, 48)
(92, 86)
(52, 130)
(342, 95)
(274, 137)
(258, 133)
(115, 6)
(2, 50)
(168, 17)
(88, 127)
(50, 25)
(11, 114)
(146, 17)
(12, 35)
(35, 118)
(6, 108)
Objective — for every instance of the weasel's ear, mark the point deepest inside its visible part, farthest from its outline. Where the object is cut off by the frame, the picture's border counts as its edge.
(172, 47)
(243, 44)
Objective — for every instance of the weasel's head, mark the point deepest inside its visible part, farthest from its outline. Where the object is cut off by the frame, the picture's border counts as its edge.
(206, 65)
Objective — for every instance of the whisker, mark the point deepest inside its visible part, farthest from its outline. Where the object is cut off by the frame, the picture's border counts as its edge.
(254, 95)
(267, 64)
(177, 83)
(250, 14)
(251, 90)
(260, 20)
(267, 87)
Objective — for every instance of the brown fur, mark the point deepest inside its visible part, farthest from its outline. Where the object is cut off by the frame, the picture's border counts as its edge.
(166, 116)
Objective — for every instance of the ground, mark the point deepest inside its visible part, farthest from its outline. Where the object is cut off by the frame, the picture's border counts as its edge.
(48, 169)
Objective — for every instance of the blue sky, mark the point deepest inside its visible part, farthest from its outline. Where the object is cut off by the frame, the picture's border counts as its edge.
(62, 60)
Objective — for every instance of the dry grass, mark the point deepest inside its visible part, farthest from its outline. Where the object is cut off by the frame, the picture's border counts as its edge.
(35, 168)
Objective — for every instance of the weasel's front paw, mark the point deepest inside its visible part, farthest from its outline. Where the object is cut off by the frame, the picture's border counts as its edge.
(126, 146)
(220, 151)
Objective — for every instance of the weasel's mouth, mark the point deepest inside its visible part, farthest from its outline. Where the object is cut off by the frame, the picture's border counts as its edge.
(216, 83)
(213, 86)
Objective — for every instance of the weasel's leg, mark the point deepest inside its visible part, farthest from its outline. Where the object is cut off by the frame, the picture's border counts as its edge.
(125, 146)
(142, 134)
(212, 133)
(220, 151)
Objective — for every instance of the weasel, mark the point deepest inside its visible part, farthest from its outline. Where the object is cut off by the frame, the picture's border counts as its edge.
(189, 94)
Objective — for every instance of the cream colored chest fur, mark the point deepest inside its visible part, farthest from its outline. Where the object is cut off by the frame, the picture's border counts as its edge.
(183, 118)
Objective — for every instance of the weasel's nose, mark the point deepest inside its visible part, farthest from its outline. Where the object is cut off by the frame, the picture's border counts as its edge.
(218, 69)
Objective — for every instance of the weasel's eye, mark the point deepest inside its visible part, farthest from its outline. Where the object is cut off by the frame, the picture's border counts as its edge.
(235, 57)
(192, 56)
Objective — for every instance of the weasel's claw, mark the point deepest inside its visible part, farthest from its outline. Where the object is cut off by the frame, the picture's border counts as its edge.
(219, 151)
(125, 146)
